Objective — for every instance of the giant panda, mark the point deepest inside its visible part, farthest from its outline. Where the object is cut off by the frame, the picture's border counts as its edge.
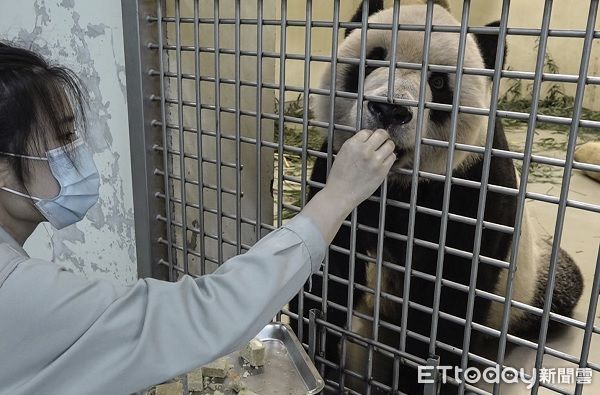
(530, 280)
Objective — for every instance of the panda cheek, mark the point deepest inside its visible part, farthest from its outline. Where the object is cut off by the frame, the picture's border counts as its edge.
(405, 137)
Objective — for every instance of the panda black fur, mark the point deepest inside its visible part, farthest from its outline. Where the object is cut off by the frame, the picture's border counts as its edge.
(531, 276)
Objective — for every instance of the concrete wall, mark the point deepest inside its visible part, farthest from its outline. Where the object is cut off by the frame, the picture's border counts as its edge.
(87, 37)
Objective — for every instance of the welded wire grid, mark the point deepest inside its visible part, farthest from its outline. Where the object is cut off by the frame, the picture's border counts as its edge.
(227, 131)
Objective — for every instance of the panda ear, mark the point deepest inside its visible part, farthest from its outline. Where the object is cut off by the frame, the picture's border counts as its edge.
(374, 6)
(488, 44)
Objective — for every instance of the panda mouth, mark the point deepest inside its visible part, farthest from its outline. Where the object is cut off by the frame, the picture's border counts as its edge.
(399, 153)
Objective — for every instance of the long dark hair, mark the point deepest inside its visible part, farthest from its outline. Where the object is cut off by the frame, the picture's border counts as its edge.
(39, 103)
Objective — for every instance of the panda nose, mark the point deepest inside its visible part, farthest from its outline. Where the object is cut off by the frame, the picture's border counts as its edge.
(389, 114)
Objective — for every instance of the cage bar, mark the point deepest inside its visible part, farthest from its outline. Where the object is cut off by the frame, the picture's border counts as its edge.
(199, 145)
(415, 171)
(539, 68)
(165, 142)
(487, 156)
(445, 214)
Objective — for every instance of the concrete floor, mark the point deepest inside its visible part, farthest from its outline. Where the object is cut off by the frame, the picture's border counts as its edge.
(580, 238)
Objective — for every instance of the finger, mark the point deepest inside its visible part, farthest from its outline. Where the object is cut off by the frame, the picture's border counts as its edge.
(384, 151)
(363, 135)
(387, 148)
(389, 161)
(378, 138)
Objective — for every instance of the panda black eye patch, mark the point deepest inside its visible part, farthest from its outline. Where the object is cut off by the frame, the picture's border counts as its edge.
(438, 81)
(440, 93)
(351, 77)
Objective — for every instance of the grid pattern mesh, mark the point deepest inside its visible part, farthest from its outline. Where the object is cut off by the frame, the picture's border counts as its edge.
(235, 81)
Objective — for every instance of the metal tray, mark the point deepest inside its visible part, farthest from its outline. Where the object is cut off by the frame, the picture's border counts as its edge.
(288, 370)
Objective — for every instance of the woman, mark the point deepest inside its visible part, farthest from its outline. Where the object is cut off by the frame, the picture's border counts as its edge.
(62, 334)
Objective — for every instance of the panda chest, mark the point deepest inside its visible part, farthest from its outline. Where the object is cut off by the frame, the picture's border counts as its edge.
(389, 275)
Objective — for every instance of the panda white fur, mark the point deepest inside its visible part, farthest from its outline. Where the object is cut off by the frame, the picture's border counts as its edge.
(530, 280)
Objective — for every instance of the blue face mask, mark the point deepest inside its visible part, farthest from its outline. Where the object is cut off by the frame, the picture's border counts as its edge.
(74, 169)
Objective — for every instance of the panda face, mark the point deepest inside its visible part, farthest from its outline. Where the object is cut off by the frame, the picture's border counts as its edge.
(401, 121)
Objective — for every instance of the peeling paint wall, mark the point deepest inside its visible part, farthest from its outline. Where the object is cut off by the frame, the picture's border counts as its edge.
(87, 37)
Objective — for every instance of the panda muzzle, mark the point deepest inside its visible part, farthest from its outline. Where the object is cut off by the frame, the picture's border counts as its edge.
(390, 115)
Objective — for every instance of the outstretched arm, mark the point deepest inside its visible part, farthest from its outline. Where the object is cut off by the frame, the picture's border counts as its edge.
(64, 334)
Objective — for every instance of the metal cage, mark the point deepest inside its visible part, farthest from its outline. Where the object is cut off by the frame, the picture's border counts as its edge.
(211, 89)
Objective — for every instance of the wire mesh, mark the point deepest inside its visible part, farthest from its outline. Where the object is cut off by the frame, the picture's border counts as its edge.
(254, 101)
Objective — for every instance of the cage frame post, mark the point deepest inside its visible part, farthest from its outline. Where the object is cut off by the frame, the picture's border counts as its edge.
(142, 111)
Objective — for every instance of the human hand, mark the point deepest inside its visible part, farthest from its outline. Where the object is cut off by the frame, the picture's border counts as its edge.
(360, 167)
